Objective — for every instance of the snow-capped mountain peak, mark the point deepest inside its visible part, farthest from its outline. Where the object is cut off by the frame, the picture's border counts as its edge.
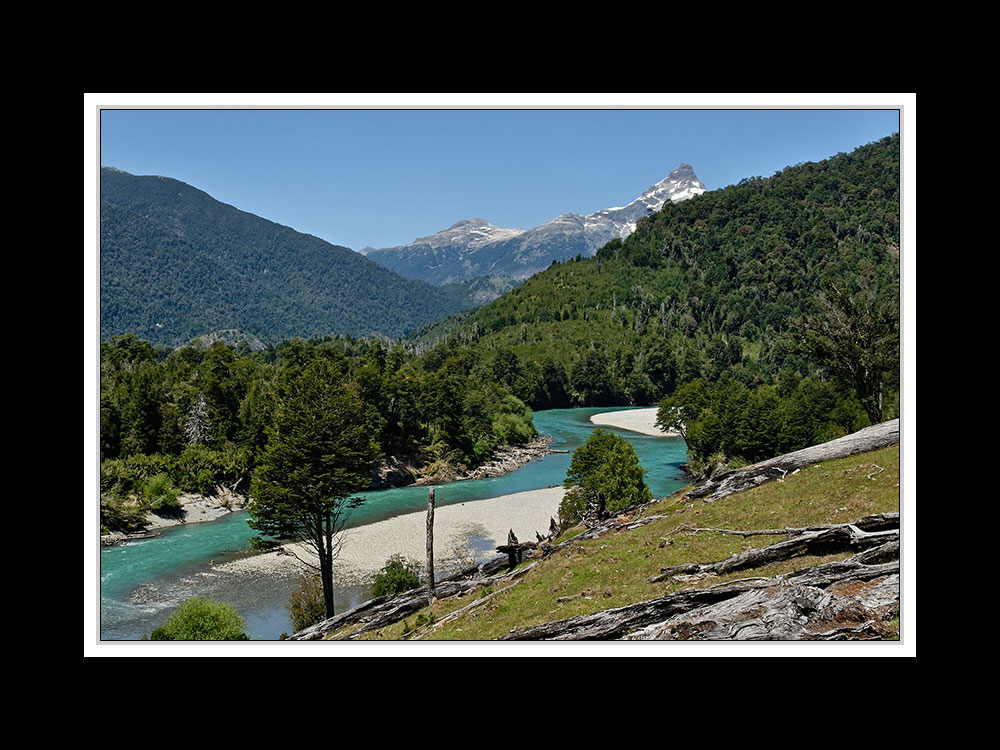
(469, 234)
(474, 247)
(679, 185)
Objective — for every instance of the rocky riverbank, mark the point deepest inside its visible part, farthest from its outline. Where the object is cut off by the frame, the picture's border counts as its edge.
(404, 471)
(508, 458)
(193, 509)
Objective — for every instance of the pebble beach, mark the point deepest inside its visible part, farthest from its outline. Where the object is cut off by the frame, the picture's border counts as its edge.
(365, 549)
(642, 421)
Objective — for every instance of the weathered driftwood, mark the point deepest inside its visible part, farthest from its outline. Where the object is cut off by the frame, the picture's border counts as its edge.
(787, 611)
(117, 537)
(614, 624)
(386, 610)
(824, 540)
(877, 522)
(632, 621)
(466, 609)
(853, 569)
(554, 531)
(383, 610)
(869, 439)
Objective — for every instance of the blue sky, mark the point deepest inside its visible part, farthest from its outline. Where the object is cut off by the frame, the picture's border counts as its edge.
(383, 177)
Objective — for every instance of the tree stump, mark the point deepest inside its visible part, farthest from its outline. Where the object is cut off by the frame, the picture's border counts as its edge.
(515, 549)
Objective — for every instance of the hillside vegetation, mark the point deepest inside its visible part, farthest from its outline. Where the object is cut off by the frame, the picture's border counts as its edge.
(624, 566)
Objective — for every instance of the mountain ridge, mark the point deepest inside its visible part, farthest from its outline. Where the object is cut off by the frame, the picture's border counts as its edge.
(467, 248)
(176, 263)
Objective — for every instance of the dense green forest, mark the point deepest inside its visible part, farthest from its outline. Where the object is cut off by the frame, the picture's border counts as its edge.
(187, 419)
(729, 287)
(176, 264)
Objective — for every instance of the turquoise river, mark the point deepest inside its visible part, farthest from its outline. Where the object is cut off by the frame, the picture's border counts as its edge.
(143, 581)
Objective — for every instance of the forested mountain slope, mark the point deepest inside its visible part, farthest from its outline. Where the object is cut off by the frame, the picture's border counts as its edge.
(176, 263)
(707, 288)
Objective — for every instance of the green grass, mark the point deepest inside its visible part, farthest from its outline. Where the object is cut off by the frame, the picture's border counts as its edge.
(612, 570)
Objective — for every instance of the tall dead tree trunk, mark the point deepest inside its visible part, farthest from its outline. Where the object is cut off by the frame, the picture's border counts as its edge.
(430, 546)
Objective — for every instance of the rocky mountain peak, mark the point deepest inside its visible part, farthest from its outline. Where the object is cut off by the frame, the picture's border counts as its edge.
(474, 247)
(683, 172)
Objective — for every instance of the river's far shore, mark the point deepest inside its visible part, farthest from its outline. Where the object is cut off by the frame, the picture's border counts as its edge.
(642, 421)
(462, 531)
(193, 509)
(198, 508)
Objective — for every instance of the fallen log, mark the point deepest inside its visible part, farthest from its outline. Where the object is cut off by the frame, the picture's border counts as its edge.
(383, 610)
(636, 621)
(614, 624)
(869, 439)
(386, 610)
(824, 541)
(877, 522)
(466, 609)
(115, 538)
(788, 611)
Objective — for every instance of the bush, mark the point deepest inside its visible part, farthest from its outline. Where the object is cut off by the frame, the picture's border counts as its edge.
(482, 448)
(307, 606)
(511, 429)
(396, 576)
(122, 477)
(200, 468)
(200, 619)
(160, 495)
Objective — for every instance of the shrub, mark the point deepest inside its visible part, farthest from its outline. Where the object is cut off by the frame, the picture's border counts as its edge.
(396, 576)
(123, 477)
(201, 619)
(511, 429)
(199, 468)
(307, 606)
(482, 448)
(159, 494)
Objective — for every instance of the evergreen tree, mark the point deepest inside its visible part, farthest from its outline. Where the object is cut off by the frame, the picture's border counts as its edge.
(320, 452)
(854, 337)
(604, 477)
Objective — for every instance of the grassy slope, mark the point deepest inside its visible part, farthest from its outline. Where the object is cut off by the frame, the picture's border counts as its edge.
(611, 571)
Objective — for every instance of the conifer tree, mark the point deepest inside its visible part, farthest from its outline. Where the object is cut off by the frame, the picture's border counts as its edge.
(320, 451)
